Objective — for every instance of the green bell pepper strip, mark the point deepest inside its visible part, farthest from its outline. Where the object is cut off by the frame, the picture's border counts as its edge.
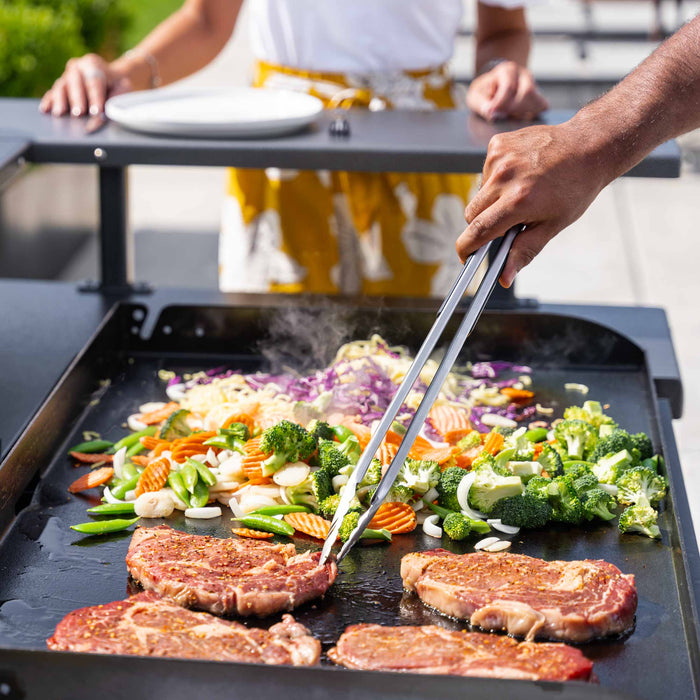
(200, 495)
(119, 491)
(102, 527)
(112, 509)
(189, 475)
(176, 484)
(204, 474)
(92, 446)
(267, 523)
(133, 439)
(280, 510)
(341, 432)
(536, 434)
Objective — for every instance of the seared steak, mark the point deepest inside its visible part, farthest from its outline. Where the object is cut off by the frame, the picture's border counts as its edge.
(225, 576)
(527, 597)
(431, 649)
(148, 625)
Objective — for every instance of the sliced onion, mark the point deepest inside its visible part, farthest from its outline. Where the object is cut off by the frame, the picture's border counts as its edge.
(431, 495)
(463, 497)
(431, 527)
(151, 406)
(498, 546)
(233, 466)
(550, 436)
(544, 410)
(418, 505)
(107, 494)
(154, 504)
(224, 455)
(249, 503)
(135, 423)
(493, 420)
(118, 462)
(223, 485)
(291, 474)
(486, 542)
(235, 508)
(609, 488)
(201, 457)
(176, 392)
(203, 513)
(496, 524)
(179, 505)
(575, 386)
(130, 495)
(212, 458)
(339, 481)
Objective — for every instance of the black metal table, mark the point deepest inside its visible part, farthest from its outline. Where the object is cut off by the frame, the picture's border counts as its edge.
(439, 141)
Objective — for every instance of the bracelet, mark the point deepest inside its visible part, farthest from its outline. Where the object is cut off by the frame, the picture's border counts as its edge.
(156, 80)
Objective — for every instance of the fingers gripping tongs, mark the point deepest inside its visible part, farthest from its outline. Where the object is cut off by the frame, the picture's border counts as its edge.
(502, 247)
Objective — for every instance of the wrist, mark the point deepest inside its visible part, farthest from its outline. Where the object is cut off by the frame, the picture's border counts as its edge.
(594, 146)
(139, 67)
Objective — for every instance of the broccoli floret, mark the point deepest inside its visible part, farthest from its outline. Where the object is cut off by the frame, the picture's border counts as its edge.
(506, 431)
(566, 505)
(584, 483)
(321, 485)
(447, 487)
(642, 443)
(419, 475)
(458, 526)
(288, 442)
(551, 461)
(330, 459)
(524, 450)
(469, 441)
(609, 468)
(349, 525)
(527, 511)
(617, 441)
(591, 412)
(578, 437)
(320, 430)
(640, 518)
(576, 468)
(374, 473)
(399, 494)
(525, 470)
(302, 495)
(640, 485)
(498, 464)
(489, 487)
(538, 487)
(598, 504)
(330, 505)
(350, 447)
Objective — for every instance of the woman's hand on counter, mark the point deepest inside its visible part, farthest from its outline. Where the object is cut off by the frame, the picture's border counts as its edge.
(84, 87)
(508, 90)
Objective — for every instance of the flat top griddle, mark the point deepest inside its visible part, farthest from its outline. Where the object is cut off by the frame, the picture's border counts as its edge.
(47, 570)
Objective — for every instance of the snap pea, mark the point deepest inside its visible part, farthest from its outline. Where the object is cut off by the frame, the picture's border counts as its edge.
(102, 527)
(267, 523)
(129, 470)
(135, 449)
(204, 474)
(132, 439)
(91, 446)
(112, 509)
(536, 434)
(341, 432)
(189, 475)
(280, 510)
(200, 495)
(119, 491)
(176, 484)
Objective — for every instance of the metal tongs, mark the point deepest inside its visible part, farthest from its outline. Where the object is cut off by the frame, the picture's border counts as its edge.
(464, 279)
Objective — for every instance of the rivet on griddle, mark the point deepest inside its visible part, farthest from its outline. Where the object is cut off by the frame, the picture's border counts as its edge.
(5, 689)
(199, 332)
(339, 127)
(99, 153)
(167, 330)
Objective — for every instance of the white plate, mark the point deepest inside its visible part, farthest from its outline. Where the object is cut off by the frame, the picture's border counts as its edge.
(207, 112)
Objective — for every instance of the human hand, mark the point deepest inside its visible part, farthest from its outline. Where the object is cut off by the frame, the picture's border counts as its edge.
(84, 87)
(507, 90)
(544, 177)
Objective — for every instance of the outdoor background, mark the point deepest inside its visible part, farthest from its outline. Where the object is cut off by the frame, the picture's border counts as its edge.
(635, 245)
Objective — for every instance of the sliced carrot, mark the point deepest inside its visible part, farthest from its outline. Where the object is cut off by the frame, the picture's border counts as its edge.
(441, 455)
(92, 479)
(465, 459)
(451, 422)
(310, 524)
(90, 458)
(150, 443)
(141, 460)
(182, 452)
(517, 395)
(153, 477)
(253, 458)
(493, 443)
(195, 438)
(395, 517)
(539, 446)
(160, 414)
(254, 534)
(159, 449)
(245, 418)
(386, 453)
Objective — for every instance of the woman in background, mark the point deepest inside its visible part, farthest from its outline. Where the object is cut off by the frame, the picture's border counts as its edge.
(327, 231)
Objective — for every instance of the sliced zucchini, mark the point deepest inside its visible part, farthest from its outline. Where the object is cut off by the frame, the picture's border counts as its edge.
(175, 426)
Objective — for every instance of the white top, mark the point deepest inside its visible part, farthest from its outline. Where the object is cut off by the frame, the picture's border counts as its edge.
(358, 36)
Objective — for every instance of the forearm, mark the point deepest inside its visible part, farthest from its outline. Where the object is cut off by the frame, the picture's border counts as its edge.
(182, 44)
(501, 34)
(659, 100)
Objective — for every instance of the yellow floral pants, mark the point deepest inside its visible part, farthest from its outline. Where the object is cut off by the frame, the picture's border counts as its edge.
(346, 232)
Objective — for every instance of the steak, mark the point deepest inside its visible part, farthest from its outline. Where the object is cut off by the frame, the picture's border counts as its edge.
(149, 625)
(432, 649)
(224, 576)
(527, 597)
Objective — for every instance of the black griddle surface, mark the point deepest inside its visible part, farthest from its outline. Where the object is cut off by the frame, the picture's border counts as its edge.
(47, 570)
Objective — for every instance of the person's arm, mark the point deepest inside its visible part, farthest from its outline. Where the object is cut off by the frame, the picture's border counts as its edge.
(506, 89)
(182, 44)
(546, 176)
